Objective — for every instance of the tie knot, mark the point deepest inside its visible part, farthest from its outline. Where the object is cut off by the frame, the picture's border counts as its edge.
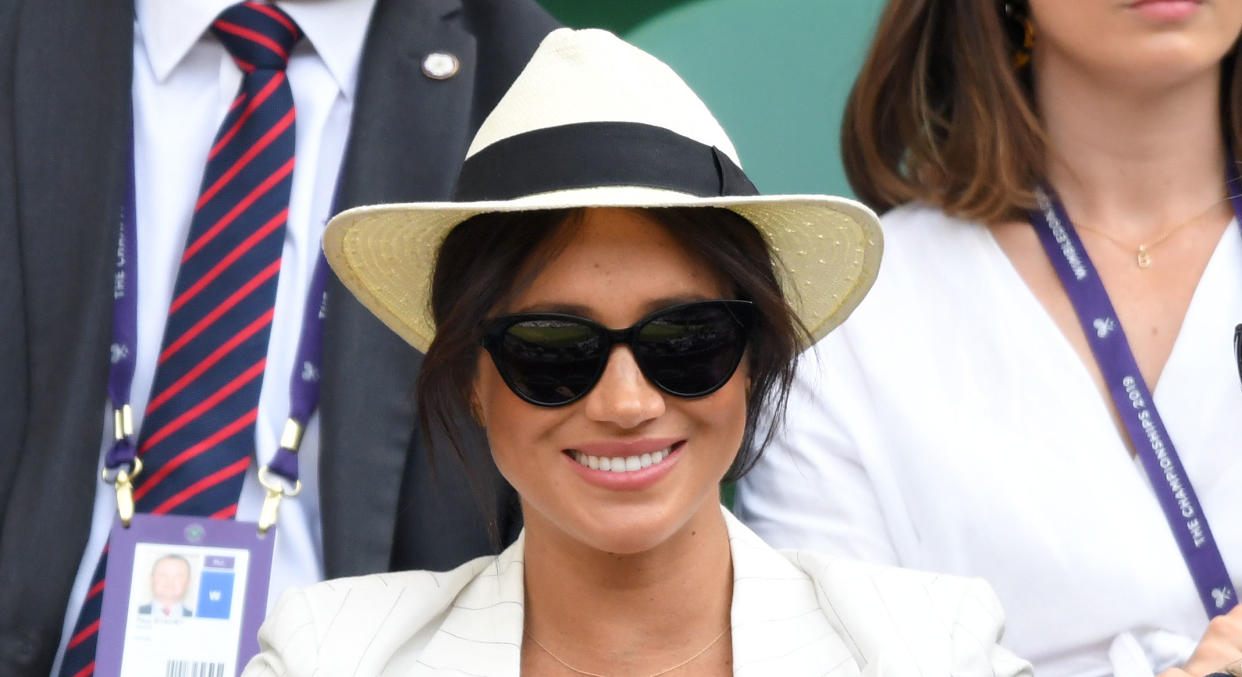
(257, 35)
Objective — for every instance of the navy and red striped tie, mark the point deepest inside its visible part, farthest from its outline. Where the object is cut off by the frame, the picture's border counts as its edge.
(198, 432)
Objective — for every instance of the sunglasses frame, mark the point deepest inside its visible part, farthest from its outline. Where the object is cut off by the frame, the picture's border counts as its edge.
(494, 330)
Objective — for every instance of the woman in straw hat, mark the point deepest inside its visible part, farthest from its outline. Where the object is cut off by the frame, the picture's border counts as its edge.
(1062, 245)
(602, 300)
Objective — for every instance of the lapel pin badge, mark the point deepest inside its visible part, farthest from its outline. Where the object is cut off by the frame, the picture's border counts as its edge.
(440, 65)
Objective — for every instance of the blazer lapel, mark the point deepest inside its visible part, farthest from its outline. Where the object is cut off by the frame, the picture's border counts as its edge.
(779, 627)
(407, 139)
(482, 632)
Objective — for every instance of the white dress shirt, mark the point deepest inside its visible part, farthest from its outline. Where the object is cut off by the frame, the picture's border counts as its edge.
(183, 83)
(794, 614)
(949, 425)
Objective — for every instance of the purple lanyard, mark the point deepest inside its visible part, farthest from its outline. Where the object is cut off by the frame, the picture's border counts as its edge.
(124, 327)
(122, 458)
(1133, 399)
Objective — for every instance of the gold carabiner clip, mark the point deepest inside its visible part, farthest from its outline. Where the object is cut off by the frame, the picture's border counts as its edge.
(123, 482)
(276, 491)
(290, 440)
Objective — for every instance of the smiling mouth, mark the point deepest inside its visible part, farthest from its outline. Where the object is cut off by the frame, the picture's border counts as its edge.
(621, 464)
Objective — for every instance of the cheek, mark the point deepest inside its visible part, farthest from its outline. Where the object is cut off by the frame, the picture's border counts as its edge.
(1074, 30)
(517, 431)
(742, 403)
(495, 405)
(482, 388)
(1231, 23)
(723, 413)
(1062, 14)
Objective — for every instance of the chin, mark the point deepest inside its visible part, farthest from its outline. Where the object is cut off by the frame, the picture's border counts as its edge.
(625, 530)
(1146, 58)
(1176, 55)
(627, 543)
(1164, 69)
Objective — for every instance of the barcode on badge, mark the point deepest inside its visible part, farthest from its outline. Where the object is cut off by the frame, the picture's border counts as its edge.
(193, 669)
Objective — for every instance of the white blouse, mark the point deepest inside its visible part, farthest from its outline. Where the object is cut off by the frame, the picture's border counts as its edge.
(949, 425)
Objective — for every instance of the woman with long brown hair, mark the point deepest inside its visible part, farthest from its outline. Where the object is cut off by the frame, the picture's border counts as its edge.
(1042, 389)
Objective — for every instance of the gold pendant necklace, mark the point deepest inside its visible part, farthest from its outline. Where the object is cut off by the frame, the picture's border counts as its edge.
(665, 671)
(1142, 252)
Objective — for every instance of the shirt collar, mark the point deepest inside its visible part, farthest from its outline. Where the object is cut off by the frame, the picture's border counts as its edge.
(336, 30)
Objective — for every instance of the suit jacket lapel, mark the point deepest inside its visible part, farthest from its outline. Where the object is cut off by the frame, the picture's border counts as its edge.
(71, 103)
(482, 632)
(70, 145)
(407, 139)
(779, 627)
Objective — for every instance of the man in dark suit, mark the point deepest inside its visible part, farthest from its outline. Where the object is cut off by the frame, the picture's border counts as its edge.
(65, 114)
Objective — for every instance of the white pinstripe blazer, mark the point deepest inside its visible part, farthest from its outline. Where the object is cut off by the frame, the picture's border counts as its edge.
(794, 613)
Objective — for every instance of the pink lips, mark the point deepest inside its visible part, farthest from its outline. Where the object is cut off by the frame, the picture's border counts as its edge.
(1166, 10)
(631, 480)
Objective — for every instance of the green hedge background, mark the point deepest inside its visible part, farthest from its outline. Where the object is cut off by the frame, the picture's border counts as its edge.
(775, 72)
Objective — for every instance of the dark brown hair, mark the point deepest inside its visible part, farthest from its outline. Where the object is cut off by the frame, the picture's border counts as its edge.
(477, 272)
(940, 113)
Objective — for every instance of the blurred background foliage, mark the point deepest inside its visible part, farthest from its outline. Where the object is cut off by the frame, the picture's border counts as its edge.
(775, 72)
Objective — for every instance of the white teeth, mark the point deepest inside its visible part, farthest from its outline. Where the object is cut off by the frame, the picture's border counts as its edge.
(619, 463)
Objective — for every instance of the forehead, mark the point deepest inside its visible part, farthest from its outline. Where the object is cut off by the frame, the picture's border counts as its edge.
(617, 265)
(170, 565)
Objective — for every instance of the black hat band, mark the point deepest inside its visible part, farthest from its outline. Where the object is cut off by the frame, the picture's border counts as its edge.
(594, 154)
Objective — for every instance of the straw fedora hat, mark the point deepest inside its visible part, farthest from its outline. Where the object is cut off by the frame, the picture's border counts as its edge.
(595, 122)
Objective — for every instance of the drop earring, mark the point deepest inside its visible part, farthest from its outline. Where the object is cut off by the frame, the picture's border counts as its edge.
(1022, 31)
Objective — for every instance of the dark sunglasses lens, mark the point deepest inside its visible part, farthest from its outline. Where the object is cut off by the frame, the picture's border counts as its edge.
(692, 350)
(551, 361)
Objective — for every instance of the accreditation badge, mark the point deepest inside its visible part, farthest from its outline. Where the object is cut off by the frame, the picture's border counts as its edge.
(184, 597)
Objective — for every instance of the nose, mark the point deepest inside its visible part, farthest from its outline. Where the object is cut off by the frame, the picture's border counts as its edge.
(623, 395)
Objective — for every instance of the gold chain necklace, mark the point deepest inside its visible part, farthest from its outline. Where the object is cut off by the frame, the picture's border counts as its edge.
(1142, 252)
(665, 671)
